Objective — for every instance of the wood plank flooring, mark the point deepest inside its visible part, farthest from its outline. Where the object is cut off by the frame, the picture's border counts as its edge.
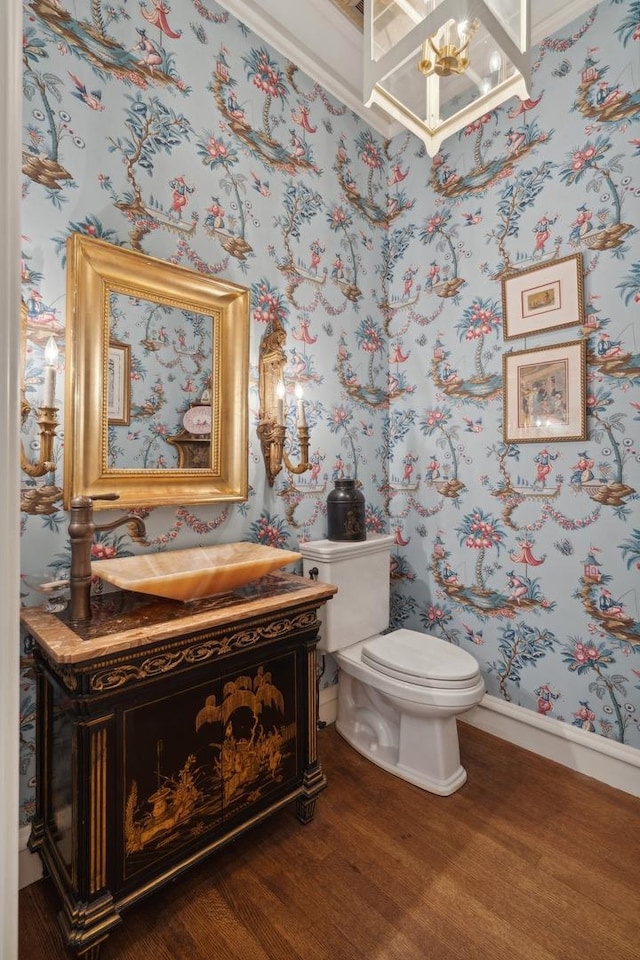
(528, 861)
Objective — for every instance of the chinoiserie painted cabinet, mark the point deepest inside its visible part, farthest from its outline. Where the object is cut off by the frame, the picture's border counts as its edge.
(163, 732)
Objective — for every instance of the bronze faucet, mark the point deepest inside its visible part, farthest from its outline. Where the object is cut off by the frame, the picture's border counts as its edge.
(81, 530)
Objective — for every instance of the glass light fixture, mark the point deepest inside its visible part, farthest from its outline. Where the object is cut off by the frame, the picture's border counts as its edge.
(435, 66)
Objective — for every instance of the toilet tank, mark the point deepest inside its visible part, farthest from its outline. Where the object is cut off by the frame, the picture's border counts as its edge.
(360, 571)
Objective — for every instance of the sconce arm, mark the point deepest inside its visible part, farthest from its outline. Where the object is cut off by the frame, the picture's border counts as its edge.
(47, 421)
(299, 468)
(272, 437)
(304, 465)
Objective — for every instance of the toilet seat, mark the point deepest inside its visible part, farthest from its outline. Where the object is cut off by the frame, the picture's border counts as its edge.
(420, 659)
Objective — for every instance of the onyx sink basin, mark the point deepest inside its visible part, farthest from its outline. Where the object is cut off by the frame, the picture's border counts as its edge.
(194, 573)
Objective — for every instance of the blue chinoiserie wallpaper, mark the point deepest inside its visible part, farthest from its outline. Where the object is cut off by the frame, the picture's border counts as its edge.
(171, 129)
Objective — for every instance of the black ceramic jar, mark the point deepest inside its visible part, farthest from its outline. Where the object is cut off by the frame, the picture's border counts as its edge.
(345, 512)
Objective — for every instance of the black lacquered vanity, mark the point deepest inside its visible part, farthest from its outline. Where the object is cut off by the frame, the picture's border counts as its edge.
(164, 731)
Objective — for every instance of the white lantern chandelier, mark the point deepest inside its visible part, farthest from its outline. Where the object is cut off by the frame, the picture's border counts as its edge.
(435, 66)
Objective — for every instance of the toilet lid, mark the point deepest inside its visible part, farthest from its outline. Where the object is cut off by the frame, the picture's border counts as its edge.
(420, 659)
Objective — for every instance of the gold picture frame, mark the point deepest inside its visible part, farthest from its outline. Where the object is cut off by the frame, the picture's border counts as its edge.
(119, 383)
(99, 274)
(544, 396)
(549, 296)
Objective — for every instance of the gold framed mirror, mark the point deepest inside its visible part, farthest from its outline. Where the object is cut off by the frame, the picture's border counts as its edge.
(157, 373)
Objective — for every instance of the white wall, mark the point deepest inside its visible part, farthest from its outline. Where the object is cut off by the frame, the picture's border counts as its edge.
(10, 103)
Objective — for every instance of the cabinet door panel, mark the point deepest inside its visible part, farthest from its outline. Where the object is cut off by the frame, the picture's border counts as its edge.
(172, 784)
(198, 761)
(258, 715)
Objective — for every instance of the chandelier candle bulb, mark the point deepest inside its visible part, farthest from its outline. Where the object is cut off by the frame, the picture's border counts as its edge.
(51, 356)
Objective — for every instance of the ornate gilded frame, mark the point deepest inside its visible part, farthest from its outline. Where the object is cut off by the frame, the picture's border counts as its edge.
(548, 296)
(544, 394)
(95, 269)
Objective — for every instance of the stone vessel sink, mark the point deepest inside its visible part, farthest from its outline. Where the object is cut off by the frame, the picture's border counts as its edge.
(195, 573)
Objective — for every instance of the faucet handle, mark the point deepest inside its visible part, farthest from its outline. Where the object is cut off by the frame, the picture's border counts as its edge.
(82, 501)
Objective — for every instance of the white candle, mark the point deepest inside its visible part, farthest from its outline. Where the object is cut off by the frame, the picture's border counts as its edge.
(280, 404)
(51, 357)
(302, 419)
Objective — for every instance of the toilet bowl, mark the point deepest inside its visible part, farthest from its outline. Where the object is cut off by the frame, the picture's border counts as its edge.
(399, 693)
(407, 723)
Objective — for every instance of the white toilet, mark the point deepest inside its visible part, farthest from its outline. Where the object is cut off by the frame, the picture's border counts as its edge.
(398, 693)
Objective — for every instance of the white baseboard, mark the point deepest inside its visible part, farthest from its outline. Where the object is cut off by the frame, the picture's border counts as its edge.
(29, 864)
(328, 703)
(613, 763)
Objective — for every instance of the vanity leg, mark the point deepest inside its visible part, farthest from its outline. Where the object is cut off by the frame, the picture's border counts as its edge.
(85, 926)
(92, 953)
(88, 910)
(314, 780)
(36, 837)
(306, 808)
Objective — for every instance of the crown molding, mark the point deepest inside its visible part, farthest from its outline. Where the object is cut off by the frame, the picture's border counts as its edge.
(555, 17)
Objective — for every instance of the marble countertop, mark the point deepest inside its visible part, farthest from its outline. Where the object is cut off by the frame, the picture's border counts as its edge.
(123, 621)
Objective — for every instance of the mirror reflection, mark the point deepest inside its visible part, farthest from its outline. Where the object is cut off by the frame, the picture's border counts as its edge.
(158, 383)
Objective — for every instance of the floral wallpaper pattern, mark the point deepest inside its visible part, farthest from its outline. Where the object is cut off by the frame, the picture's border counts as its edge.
(172, 129)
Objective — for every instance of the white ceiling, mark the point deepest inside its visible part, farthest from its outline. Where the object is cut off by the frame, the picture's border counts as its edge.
(328, 46)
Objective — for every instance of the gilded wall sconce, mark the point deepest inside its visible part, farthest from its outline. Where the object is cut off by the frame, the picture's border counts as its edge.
(272, 428)
(47, 414)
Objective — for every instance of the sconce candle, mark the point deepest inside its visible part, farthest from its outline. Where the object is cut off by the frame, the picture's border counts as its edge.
(302, 419)
(280, 405)
(51, 357)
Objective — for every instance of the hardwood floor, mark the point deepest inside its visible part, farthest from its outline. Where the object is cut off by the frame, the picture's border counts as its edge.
(528, 861)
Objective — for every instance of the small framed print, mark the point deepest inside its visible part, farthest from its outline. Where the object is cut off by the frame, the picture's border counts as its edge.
(544, 393)
(119, 383)
(547, 297)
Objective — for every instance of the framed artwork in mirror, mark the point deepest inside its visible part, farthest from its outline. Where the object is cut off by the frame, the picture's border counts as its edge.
(118, 383)
(549, 296)
(149, 342)
(544, 395)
